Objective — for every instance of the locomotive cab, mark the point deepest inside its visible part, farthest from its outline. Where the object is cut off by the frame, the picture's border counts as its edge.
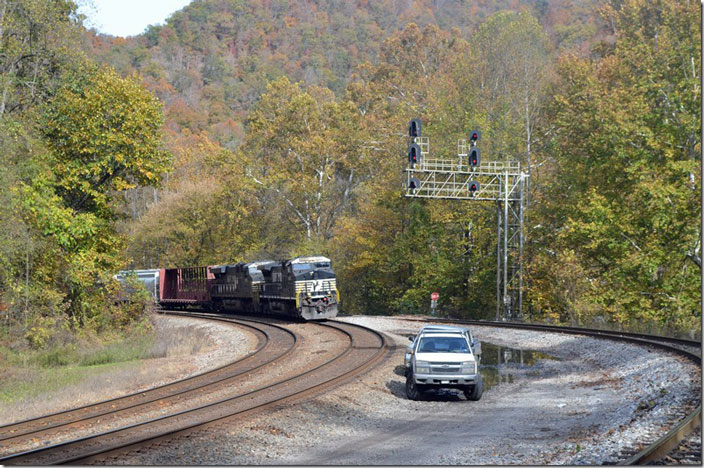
(315, 287)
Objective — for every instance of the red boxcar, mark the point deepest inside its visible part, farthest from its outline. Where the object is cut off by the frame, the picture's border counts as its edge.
(185, 286)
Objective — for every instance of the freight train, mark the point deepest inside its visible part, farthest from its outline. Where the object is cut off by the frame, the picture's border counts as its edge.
(303, 287)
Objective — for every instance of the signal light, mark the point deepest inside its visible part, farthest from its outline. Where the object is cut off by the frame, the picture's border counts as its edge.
(474, 157)
(414, 183)
(413, 154)
(474, 136)
(473, 187)
(414, 128)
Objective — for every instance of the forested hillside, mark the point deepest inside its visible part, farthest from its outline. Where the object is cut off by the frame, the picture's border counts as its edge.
(212, 60)
(284, 133)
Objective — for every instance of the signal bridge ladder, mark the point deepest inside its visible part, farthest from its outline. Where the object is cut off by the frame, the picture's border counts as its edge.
(502, 182)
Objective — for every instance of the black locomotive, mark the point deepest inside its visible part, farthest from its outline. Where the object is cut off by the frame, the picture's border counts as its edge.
(303, 287)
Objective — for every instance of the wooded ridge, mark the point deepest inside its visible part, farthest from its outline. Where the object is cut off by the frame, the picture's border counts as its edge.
(270, 129)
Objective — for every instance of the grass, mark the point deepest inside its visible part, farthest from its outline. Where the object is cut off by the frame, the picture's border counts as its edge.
(29, 374)
(32, 382)
(28, 379)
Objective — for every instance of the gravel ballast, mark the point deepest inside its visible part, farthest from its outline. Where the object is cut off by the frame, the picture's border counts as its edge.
(595, 398)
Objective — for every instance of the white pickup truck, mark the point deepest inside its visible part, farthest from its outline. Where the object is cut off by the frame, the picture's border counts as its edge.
(443, 356)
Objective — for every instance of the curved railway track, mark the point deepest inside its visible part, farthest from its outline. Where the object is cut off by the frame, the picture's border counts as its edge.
(71, 420)
(78, 442)
(655, 448)
(75, 441)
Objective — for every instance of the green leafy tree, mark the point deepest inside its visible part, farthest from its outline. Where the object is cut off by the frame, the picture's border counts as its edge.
(307, 155)
(623, 206)
(104, 133)
(103, 136)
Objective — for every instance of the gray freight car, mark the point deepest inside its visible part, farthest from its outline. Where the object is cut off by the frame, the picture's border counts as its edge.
(149, 278)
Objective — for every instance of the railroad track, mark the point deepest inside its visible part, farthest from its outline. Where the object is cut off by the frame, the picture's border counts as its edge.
(653, 449)
(689, 451)
(72, 420)
(170, 408)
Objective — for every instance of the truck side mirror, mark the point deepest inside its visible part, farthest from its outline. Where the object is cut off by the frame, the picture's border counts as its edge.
(411, 337)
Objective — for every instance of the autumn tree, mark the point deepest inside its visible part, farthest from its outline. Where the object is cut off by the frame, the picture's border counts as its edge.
(36, 38)
(394, 251)
(508, 84)
(307, 155)
(622, 210)
(102, 134)
(208, 214)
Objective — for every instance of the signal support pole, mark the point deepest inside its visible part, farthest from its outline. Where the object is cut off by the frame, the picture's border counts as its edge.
(502, 182)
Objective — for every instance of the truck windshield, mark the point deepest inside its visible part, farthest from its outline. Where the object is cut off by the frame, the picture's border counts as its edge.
(443, 344)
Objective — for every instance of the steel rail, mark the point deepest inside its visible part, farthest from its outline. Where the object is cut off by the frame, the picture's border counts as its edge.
(3, 428)
(171, 389)
(384, 350)
(163, 393)
(250, 405)
(662, 446)
(595, 332)
(294, 396)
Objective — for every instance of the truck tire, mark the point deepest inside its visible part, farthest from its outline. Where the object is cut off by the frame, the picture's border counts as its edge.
(474, 393)
(413, 390)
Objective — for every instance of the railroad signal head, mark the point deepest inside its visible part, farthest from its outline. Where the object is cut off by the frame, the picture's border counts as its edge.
(413, 154)
(474, 136)
(414, 183)
(473, 187)
(474, 157)
(414, 128)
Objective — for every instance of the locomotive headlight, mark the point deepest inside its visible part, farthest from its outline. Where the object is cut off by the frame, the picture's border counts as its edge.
(422, 367)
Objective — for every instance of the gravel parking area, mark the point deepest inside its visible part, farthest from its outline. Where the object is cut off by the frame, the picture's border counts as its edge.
(579, 408)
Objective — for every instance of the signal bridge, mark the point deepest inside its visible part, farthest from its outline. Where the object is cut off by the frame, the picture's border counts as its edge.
(446, 178)
(465, 177)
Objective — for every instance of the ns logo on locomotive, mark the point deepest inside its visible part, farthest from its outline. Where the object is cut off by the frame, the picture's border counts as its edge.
(303, 287)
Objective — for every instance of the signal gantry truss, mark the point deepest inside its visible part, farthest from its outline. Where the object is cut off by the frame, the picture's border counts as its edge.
(502, 182)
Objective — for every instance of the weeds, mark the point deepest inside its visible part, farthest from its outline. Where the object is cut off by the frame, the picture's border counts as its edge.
(28, 373)
(178, 341)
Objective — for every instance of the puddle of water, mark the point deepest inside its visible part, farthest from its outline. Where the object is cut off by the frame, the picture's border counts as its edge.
(494, 362)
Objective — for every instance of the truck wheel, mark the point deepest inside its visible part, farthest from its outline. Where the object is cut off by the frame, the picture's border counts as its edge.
(474, 393)
(412, 391)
